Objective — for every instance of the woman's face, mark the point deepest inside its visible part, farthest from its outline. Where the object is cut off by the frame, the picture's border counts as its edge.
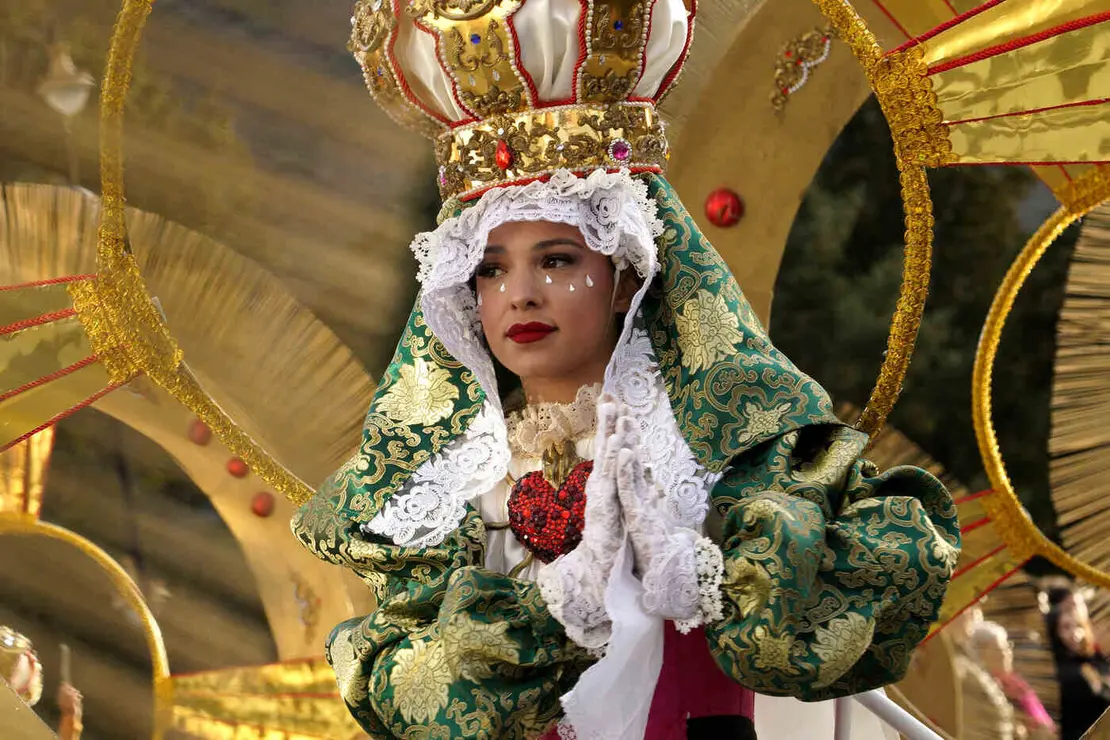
(547, 302)
(997, 655)
(1074, 625)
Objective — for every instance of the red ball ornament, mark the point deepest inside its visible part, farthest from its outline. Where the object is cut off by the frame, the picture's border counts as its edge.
(262, 504)
(724, 208)
(199, 433)
(237, 468)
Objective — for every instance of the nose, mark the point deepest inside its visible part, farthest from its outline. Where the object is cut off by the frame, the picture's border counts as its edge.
(523, 289)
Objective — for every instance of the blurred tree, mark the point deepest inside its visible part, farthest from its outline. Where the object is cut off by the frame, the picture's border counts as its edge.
(839, 283)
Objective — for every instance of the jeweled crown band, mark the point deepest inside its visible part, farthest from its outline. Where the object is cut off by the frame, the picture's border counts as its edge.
(519, 147)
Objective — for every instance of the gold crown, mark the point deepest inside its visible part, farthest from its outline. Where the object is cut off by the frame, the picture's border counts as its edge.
(511, 96)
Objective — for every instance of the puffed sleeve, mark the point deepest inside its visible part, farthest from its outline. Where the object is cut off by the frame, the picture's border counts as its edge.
(833, 572)
(453, 649)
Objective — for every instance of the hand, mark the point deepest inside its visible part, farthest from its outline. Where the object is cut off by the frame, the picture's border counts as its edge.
(574, 585)
(70, 703)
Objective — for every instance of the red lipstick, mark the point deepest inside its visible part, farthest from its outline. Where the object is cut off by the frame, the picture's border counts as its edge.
(533, 331)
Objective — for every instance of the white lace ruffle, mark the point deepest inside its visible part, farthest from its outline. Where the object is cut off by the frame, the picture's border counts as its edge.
(612, 209)
(638, 385)
(710, 566)
(433, 501)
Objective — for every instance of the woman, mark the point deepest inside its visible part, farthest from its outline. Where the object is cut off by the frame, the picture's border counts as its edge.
(1081, 667)
(591, 497)
(990, 644)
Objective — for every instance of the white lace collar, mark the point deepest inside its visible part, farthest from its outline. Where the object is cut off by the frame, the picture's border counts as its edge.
(537, 427)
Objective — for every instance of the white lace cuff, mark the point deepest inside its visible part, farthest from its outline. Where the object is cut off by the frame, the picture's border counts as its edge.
(711, 570)
(683, 582)
(576, 602)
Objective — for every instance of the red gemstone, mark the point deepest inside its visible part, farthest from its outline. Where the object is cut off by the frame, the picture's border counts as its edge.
(199, 433)
(504, 156)
(263, 504)
(237, 468)
(724, 208)
(549, 522)
(789, 53)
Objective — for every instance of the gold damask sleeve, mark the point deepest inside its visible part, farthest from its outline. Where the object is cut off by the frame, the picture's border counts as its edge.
(453, 650)
(833, 572)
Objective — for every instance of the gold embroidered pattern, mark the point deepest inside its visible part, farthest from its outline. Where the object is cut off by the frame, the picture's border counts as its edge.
(840, 646)
(707, 330)
(774, 651)
(760, 421)
(796, 60)
(422, 395)
(747, 584)
(536, 143)
(420, 680)
(472, 647)
(615, 50)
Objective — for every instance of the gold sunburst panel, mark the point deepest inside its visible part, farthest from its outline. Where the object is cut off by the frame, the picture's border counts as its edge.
(265, 359)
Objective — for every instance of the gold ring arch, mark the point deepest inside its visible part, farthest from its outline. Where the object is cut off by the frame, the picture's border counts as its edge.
(1079, 198)
(125, 586)
(130, 318)
(889, 77)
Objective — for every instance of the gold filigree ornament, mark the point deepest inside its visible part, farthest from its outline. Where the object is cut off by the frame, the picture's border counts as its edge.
(796, 60)
(1078, 198)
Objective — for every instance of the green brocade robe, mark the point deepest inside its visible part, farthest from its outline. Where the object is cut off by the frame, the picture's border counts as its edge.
(833, 571)
(833, 575)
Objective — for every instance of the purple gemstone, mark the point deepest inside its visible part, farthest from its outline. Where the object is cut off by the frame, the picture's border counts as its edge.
(618, 24)
(620, 150)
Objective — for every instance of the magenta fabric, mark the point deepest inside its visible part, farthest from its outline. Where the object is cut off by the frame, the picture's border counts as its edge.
(1019, 692)
(690, 685)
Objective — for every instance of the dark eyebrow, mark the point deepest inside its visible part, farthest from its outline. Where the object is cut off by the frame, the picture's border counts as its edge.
(562, 240)
(493, 249)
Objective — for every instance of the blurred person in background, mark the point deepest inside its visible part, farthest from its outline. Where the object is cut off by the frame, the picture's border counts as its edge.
(986, 713)
(990, 645)
(1081, 667)
(21, 669)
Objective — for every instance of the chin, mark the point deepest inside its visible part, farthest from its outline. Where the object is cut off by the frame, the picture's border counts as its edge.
(531, 361)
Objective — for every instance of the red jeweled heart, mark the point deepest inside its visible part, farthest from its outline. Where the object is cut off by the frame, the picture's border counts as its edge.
(549, 522)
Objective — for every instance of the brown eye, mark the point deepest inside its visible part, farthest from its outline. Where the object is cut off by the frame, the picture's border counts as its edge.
(555, 261)
(487, 271)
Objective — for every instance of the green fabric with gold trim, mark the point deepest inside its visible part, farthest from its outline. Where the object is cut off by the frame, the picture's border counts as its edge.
(833, 572)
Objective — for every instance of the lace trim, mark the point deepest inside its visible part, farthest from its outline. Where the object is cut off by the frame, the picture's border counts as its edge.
(537, 427)
(613, 210)
(433, 501)
(711, 571)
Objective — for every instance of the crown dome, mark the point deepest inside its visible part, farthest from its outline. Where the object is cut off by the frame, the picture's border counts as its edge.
(511, 90)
